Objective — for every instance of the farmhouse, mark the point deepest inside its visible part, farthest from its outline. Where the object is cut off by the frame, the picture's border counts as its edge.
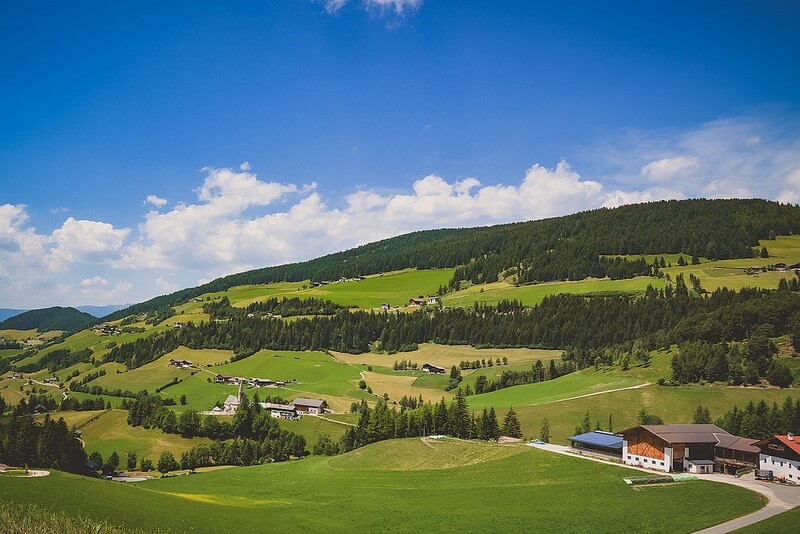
(261, 382)
(223, 379)
(280, 411)
(693, 448)
(180, 364)
(430, 301)
(598, 441)
(309, 406)
(433, 369)
(781, 455)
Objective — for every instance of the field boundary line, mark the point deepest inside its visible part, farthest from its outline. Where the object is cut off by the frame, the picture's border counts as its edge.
(638, 386)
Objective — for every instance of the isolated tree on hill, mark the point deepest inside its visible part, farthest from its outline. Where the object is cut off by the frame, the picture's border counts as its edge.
(645, 418)
(764, 252)
(610, 424)
(544, 433)
(511, 426)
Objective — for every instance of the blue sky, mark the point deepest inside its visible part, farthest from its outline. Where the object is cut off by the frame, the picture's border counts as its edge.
(148, 147)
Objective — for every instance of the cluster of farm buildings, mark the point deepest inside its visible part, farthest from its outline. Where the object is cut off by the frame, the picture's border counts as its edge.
(294, 410)
(697, 448)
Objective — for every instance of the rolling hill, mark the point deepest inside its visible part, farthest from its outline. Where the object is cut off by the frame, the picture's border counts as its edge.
(47, 319)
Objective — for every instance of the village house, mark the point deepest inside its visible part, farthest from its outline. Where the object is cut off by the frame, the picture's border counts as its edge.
(309, 406)
(781, 455)
(433, 369)
(181, 364)
(223, 379)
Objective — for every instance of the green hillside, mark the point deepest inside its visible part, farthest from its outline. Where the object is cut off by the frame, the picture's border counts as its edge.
(399, 486)
(47, 319)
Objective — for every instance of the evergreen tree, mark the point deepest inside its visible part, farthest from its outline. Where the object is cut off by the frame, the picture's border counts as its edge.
(511, 426)
(701, 415)
(131, 463)
(544, 433)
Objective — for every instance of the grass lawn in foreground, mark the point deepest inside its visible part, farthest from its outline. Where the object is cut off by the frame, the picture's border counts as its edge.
(785, 523)
(495, 488)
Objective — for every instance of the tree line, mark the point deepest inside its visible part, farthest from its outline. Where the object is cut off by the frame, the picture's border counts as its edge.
(23, 442)
(760, 421)
(383, 422)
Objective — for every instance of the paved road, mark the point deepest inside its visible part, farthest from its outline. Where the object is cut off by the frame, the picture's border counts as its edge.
(780, 497)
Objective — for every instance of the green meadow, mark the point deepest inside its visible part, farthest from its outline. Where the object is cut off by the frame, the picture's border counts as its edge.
(396, 486)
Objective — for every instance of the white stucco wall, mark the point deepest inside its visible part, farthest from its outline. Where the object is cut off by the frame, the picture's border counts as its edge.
(780, 466)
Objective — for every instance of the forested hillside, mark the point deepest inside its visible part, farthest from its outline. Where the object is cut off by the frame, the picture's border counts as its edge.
(47, 319)
(562, 248)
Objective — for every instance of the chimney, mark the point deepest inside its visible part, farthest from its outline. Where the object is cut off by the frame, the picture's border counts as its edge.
(790, 436)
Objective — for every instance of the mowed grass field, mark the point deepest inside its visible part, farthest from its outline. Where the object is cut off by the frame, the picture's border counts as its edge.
(448, 355)
(108, 431)
(458, 486)
(393, 288)
(159, 372)
(531, 295)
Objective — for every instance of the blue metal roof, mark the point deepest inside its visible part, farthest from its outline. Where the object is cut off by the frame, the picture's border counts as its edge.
(599, 439)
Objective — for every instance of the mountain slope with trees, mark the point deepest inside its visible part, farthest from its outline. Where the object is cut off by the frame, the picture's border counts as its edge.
(572, 247)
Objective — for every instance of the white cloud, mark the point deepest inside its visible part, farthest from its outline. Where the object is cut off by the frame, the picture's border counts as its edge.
(245, 166)
(94, 281)
(666, 168)
(746, 155)
(399, 7)
(396, 8)
(332, 6)
(156, 201)
(86, 242)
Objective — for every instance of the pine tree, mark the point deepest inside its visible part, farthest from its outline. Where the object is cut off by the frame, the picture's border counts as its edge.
(511, 426)
(544, 433)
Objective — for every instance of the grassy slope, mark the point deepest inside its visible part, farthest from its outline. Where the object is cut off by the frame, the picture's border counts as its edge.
(110, 432)
(496, 489)
(785, 523)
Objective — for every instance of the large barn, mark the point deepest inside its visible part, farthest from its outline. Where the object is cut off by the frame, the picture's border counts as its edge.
(695, 448)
